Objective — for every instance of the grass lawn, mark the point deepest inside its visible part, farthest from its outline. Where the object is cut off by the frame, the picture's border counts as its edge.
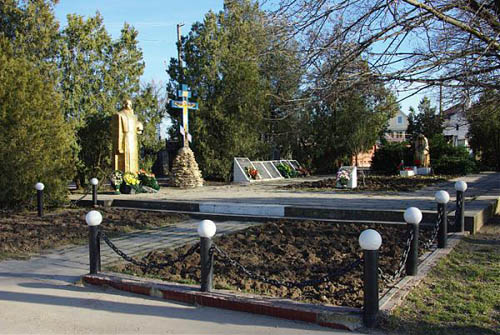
(461, 295)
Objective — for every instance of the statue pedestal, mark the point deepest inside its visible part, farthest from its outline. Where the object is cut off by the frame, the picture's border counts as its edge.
(185, 170)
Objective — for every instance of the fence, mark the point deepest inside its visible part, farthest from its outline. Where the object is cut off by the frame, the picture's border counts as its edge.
(369, 240)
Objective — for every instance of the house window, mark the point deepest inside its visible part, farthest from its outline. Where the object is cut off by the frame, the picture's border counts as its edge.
(400, 119)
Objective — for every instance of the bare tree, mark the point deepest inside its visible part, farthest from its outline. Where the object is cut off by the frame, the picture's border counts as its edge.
(414, 43)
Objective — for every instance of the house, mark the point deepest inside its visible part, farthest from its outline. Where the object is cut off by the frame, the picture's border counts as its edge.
(456, 126)
(396, 131)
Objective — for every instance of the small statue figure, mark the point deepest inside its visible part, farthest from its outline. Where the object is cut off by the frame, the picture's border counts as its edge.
(125, 127)
(422, 156)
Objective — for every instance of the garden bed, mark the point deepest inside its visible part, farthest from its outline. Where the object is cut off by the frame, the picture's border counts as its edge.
(23, 234)
(375, 183)
(286, 251)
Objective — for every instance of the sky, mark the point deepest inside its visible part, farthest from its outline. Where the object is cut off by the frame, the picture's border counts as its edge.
(156, 21)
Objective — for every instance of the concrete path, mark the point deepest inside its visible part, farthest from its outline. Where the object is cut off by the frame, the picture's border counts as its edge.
(273, 193)
(42, 296)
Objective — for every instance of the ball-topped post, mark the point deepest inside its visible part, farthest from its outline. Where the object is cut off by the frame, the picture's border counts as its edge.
(370, 241)
(442, 198)
(460, 187)
(206, 230)
(94, 182)
(39, 198)
(413, 216)
(93, 220)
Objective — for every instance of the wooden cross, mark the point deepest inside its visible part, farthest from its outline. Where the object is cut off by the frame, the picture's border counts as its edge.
(184, 94)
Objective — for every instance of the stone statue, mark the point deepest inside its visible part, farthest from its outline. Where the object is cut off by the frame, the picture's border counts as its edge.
(125, 127)
(422, 151)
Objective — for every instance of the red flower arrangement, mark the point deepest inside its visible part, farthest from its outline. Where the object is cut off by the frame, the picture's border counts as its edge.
(252, 173)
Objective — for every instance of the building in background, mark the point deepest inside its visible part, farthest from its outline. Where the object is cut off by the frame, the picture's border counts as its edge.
(456, 126)
(396, 131)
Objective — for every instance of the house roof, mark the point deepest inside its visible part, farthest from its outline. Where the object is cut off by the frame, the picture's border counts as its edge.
(455, 109)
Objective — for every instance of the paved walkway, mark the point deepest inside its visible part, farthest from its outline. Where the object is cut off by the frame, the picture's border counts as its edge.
(41, 296)
(273, 193)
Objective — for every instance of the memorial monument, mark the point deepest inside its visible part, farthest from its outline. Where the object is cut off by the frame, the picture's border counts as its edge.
(185, 170)
(125, 127)
(422, 156)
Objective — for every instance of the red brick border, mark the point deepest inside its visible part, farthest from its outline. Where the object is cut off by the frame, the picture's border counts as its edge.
(328, 316)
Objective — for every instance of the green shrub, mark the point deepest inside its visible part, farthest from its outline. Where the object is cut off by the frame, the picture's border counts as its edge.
(454, 166)
(388, 157)
(448, 159)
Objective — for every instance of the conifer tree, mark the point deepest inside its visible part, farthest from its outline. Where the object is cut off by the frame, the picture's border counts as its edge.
(34, 138)
(227, 64)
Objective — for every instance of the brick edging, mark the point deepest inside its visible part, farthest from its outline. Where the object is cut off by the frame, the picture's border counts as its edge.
(328, 316)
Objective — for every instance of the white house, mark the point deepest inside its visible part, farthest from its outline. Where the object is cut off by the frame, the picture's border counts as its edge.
(396, 131)
(456, 126)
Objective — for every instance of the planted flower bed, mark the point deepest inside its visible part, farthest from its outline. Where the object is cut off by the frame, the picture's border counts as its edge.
(286, 251)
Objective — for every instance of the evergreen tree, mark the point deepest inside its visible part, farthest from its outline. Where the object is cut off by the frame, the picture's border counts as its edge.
(430, 123)
(97, 75)
(34, 138)
(234, 82)
(484, 129)
(426, 121)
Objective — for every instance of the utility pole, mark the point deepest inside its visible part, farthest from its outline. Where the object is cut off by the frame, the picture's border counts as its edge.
(441, 99)
(179, 47)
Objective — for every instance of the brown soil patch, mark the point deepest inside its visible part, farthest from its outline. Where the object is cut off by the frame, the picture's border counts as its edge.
(375, 183)
(23, 234)
(287, 251)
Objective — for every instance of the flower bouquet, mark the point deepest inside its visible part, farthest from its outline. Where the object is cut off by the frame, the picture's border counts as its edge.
(116, 179)
(148, 179)
(343, 178)
(252, 173)
(130, 183)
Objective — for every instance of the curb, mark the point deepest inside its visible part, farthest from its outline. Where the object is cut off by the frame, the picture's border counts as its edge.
(346, 318)
(258, 212)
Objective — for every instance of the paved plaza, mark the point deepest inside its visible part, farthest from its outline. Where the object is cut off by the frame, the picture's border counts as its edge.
(273, 192)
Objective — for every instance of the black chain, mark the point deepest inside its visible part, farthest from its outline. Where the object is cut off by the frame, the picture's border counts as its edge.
(458, 209)
(226, 259)
(430, 242)
(152, 265)
(88, 189)
(389, 279)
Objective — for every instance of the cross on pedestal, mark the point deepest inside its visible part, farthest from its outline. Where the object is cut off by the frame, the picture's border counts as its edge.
(184, 94)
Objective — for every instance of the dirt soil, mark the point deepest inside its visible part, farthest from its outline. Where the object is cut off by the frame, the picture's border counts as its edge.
(287, 251)
(24, 234)
(375, 183)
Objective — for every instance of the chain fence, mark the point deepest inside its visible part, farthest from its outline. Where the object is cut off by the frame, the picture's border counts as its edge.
(391, 278)
(146, 267)
(434, 233)
(223, 257)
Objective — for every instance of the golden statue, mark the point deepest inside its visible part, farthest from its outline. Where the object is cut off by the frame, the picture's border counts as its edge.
(422, 155)
(125, 127)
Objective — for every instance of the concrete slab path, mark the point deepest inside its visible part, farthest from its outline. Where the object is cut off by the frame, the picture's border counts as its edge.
(43, 296)
(274, 193)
